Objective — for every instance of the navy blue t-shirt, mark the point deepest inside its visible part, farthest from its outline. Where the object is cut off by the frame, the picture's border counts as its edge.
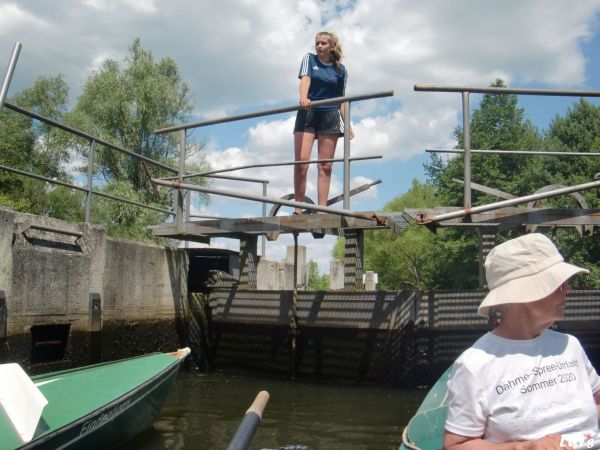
(325, 80)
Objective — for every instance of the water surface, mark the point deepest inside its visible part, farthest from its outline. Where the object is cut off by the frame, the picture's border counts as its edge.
(204, 410)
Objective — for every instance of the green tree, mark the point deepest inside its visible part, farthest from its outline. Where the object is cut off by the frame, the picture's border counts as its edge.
(577, 131)
(408, 260)
(497, 123)
(125, 103)
(316, 281)
(35, 147)
(122, 219)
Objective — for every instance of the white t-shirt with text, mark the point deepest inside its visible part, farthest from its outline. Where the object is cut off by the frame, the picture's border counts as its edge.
(508, 390)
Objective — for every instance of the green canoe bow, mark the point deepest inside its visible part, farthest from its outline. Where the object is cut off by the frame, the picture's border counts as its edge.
(425, 431)
(98, 406)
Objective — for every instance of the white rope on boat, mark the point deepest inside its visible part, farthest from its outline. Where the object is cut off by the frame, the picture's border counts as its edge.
(406, 442)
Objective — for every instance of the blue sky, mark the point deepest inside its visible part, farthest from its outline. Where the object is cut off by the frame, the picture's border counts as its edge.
(243, 55)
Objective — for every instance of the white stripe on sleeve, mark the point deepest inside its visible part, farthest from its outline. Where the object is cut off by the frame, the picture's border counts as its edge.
(304, 66)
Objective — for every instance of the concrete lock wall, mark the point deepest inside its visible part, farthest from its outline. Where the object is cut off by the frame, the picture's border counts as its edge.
(48, 268)
(274, 275)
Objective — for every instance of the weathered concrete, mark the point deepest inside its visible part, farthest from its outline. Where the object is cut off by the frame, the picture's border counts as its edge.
(336, 275)
(274, 275)
(49, 268)
(370, 280)
(48, 275)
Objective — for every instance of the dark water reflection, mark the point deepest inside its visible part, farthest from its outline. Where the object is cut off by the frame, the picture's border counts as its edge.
(204, 410)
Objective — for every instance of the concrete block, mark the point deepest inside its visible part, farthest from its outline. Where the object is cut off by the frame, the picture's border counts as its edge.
(336, 275)
(370, 280)
(267, 275)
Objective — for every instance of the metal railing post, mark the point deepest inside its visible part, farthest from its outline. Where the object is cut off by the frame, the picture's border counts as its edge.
(347, 155)
(10, 68)
(90, 181)
(179, 194)
(264, 214)
(467, 146)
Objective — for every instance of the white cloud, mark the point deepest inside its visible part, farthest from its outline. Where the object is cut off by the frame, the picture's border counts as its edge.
(143, 6)
(13, 18)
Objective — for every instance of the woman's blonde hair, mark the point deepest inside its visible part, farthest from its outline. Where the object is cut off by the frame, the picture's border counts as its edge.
(336, 48)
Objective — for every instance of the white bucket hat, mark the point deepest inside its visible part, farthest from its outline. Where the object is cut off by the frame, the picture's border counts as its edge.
(523, 270)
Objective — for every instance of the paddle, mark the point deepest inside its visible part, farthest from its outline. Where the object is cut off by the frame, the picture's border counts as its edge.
(247, 428)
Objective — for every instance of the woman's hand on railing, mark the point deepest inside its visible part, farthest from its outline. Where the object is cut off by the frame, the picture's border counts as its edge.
(305, 103)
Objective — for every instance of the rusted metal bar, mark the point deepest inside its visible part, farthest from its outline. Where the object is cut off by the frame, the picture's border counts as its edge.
(507, 91)
(87, 136)
(275, 201)
(356, 190)
(10, 68)
(268, 112)
(487, 190)
(510, 202)
(513, 152)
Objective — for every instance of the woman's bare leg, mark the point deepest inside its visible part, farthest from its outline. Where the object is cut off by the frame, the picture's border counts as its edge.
(327, 143)
(303, 143)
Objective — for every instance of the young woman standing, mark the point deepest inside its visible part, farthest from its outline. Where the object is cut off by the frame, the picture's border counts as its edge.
(322, 76)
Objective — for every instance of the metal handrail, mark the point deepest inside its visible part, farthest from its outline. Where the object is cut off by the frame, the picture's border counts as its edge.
(231, 177)
(507, 91)
(92, 139)
(182, 129)
(512, 152)
(275, 201)
(465, 91)
(79, 188)
(87, 136)
(285, 163)
(9, 72)
(269, 112)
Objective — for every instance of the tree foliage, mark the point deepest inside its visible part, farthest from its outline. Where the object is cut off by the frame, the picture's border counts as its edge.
(448, 259)
(407, 260)
(121, 103)
(316, 280)
(496, 124)
(124, 104)
(35, 147)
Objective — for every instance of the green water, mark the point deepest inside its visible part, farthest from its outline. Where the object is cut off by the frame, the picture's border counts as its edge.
(204, 410)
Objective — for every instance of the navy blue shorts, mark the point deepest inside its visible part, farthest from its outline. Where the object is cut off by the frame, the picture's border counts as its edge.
(316, 121)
